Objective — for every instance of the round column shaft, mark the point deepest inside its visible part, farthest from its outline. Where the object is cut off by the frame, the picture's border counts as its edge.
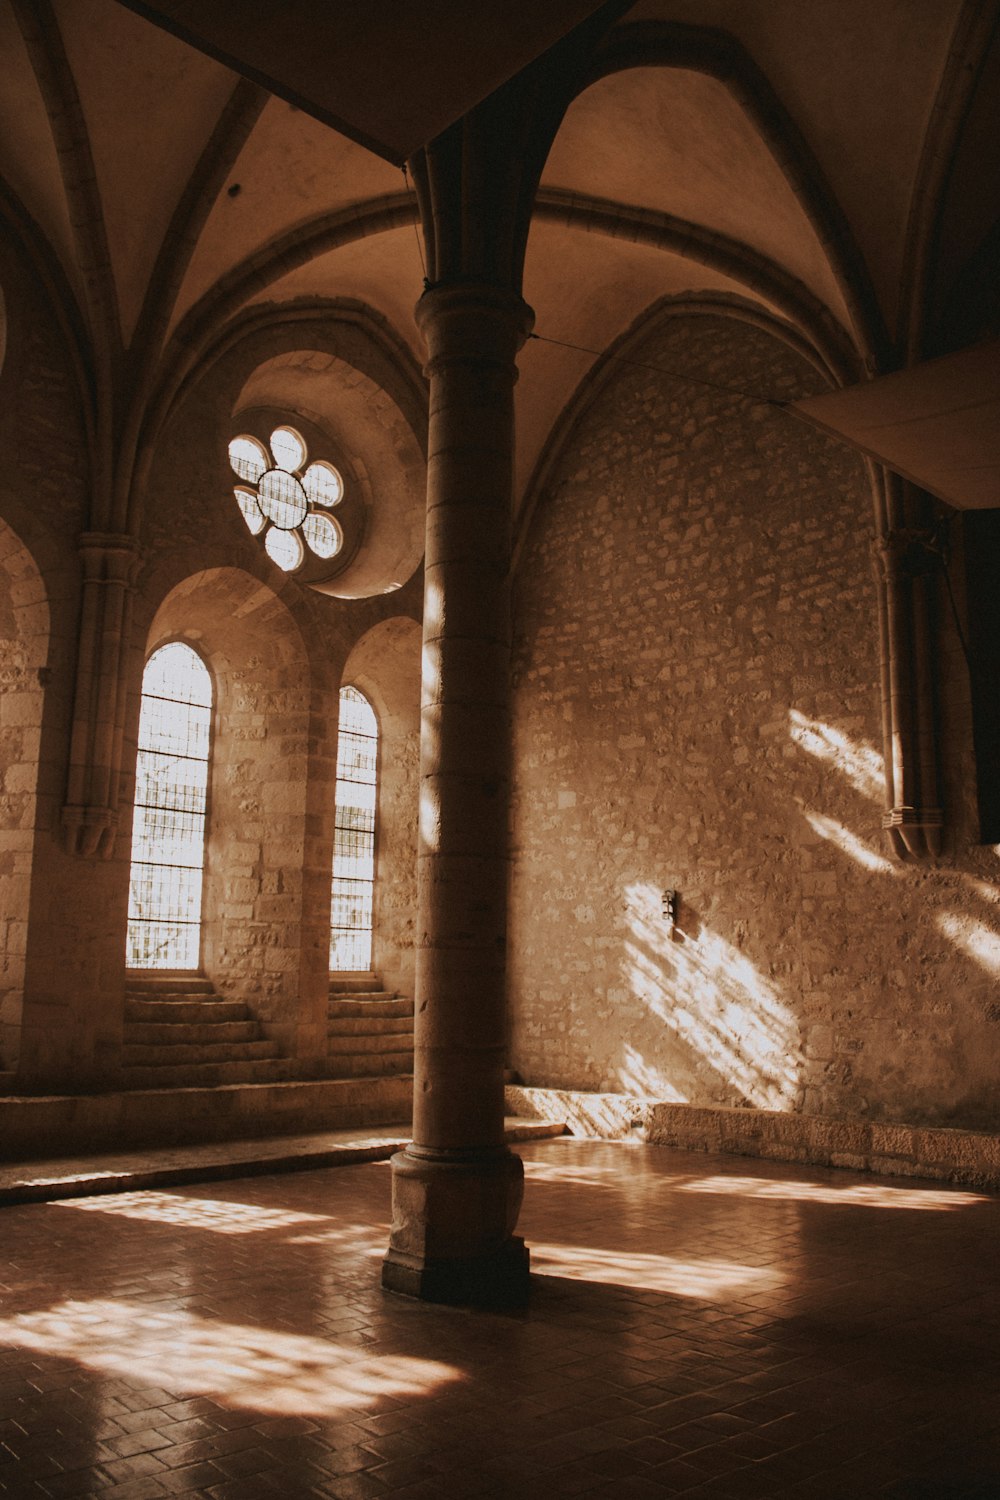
(457, 1189)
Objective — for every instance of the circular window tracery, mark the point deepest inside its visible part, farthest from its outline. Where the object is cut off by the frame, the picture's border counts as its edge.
(286, 498)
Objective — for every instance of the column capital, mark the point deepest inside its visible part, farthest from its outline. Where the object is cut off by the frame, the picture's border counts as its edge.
(472, 320)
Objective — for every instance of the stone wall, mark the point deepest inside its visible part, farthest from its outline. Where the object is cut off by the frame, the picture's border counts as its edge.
(696, 709)
(24, 640)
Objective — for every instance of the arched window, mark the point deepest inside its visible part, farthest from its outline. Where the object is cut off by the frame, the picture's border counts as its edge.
(354, 834)
(168, 834)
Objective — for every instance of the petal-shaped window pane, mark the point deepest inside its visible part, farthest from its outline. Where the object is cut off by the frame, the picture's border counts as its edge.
(323, 484)
(323, 534)
(282, 499)
(252, 513)
(248, 458)
(288, 447)
(285, 548)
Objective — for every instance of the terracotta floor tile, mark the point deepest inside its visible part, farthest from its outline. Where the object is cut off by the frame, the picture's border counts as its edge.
(699, 1325)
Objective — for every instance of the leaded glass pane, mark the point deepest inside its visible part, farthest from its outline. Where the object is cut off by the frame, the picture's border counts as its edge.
(168, 832)
(323, 534)
(323, 484)
(284, 548)
(251, 511)
(352, 894)
(288, 447)
(247, 458)
(282, 499)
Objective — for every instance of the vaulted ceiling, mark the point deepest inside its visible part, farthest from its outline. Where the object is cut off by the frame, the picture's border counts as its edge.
(826, 163)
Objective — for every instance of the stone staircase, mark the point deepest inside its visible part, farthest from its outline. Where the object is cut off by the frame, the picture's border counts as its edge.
(369, 1030)
(180, 1034)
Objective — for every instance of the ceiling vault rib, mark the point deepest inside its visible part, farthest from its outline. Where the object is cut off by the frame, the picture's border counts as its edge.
(617, 354)
(178, 379)
(282, 255)
(976, 26)
(231, 132)
(645, 44)
(721, 253)
(50, 271)
(44, 43)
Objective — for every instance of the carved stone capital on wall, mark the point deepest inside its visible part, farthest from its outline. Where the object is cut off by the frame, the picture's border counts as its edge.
(89, 831)
(108, 557)
(908, 552)
(914, 832)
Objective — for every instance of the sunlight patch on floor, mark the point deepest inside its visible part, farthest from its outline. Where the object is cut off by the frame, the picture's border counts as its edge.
(195, 1213)
(704, 1279)
(854, 1195)
(233, 1364)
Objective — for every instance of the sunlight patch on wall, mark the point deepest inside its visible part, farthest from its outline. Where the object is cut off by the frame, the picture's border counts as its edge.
(860, 763)
(195, 1213)
(707, 1280)
(233, 1364)
(849, 843)
(645, 1082)
(716, 1002)
(980, 942)
(856, 1195)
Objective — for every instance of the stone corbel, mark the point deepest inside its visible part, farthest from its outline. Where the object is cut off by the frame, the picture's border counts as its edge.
(907, 555)
(90, 813)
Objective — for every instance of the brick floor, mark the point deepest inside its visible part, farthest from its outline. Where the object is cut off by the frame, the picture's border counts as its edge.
(706, 1326)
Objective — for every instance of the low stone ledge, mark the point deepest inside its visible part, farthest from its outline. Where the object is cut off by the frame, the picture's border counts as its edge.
(38, 1126)
(960, 1156)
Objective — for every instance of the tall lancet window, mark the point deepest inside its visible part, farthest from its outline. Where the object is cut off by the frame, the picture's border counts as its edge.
(351, 906)
(171, 792)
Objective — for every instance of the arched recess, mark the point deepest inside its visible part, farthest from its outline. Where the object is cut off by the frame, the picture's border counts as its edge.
(24, 647)
(266, 900)
(361, 428)
(385, 666)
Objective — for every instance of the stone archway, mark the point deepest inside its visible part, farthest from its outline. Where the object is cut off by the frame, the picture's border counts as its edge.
(266, 885)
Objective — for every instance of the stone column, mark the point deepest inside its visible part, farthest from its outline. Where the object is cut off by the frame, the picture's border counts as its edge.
(457, 1189)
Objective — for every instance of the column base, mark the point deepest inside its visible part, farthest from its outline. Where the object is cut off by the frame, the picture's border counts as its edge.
(453, 1215)
(498, 1280)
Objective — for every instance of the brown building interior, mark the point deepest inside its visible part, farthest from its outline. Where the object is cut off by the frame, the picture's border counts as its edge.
(657, 350)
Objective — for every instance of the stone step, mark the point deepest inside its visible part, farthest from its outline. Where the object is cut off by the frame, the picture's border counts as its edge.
(357, 1026)
(210, 1033)
(182, 1051)
(206, 1074)
(366, 997)
(371, 1065)
(186, 1012)
(389, 1041)
(368, 1010)
(153, 984)
(346, 983)
(128, 1119)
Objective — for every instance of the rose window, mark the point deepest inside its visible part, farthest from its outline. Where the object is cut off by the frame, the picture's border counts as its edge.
(286, 498)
